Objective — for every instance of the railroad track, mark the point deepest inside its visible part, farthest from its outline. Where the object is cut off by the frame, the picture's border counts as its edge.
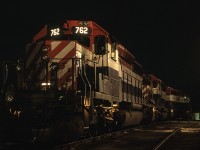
(101, 138)
(169, 137)
(96, 139)
(157, 136)
(182, 138)
(71, 145)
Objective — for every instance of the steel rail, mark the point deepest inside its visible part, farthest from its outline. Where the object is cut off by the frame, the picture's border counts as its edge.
(94, 139)
(162, 143)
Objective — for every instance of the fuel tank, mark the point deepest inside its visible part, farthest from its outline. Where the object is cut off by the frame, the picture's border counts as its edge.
(129, 118)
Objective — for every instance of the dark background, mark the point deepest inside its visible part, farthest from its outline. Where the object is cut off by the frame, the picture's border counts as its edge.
(164, 36)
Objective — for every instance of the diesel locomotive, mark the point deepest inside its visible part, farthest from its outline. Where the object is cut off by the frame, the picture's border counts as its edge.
(77, 78)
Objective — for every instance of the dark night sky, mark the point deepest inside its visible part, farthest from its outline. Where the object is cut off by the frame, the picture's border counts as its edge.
(163, 36)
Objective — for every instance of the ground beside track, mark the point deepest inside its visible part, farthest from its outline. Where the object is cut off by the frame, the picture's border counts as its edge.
(146, 138)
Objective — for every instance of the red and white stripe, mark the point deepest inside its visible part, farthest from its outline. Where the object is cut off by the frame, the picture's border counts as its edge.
(32, 53)
(33, 59)
(62, 52)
